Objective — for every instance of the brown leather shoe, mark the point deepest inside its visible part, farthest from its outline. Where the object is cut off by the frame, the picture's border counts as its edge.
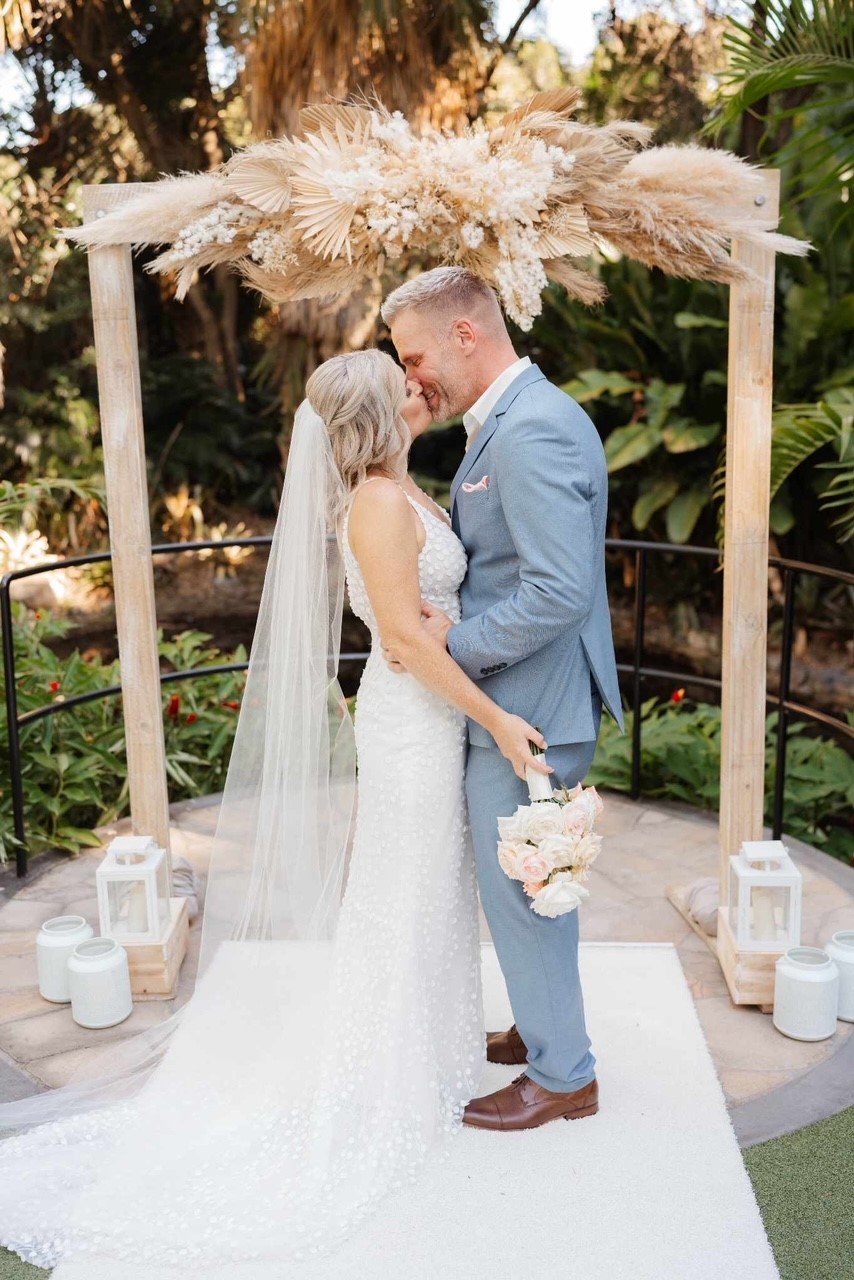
(526, 1105)
(506, 1047)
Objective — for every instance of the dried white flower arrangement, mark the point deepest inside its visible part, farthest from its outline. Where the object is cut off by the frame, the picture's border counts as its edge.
(519, 204)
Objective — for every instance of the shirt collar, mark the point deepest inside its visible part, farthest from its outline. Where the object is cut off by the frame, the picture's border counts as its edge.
(475, 417)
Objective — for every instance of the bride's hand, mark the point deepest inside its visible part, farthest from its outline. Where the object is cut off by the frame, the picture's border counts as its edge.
(513, 736)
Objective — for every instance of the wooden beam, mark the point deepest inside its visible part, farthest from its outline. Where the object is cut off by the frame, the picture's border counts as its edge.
(117, 359)
(745, 594)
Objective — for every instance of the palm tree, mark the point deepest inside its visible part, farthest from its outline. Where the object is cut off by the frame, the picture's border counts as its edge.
(423, 58)
(789, 84)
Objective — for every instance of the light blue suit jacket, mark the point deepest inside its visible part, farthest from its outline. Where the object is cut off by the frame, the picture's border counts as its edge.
(536, 628)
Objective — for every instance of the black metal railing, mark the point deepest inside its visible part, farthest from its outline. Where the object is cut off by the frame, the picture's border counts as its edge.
(639, 672)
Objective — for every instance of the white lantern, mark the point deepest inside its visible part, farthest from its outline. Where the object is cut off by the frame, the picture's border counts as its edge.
(133, 890)
(764, 900)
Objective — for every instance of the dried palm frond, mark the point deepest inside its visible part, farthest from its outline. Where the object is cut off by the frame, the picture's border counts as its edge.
(316, 215)
(336, 116)
(261, 181)
(565, 233)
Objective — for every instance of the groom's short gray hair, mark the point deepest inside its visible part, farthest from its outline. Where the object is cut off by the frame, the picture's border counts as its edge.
(445, 288)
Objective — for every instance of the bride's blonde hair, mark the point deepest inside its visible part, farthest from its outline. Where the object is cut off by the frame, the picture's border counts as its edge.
(359, 396)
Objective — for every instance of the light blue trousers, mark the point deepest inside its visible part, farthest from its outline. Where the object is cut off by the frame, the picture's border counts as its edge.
(538, 956)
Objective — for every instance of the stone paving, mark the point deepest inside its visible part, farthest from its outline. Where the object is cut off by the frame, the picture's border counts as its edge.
(649, 847)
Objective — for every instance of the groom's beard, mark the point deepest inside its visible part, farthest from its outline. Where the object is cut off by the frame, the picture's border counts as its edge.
(447, 399)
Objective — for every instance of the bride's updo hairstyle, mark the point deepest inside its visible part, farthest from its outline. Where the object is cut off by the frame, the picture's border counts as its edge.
(360, 396)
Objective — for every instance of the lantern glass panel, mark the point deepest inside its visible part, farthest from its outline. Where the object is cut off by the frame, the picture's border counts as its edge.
(127, 906)
(769, 912)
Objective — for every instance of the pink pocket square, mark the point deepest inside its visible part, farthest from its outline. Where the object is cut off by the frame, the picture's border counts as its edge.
(480, 487)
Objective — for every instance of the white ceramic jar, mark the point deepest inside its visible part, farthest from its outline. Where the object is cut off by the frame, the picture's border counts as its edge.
(56, 940)
(99, 980)
(841, 951)
(806, 994)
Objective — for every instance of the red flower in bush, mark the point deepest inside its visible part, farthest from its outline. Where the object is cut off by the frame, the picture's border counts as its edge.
(55, 686)
(38, 615)
(677, 695)
(232, 706)
(174, 705)
(192, 718)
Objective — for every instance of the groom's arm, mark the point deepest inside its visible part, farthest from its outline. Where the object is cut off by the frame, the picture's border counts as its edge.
(546, 487)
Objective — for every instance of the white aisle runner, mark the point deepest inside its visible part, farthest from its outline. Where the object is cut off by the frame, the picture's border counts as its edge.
(653, 1187)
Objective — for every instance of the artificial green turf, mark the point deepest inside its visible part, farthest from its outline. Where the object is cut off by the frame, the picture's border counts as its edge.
(12, 1268)
(803, 1182)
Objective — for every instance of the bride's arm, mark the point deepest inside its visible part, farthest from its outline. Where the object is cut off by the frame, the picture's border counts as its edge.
(384, 541)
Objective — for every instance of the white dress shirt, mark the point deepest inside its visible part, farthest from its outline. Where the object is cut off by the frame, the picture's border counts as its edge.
(474, 418)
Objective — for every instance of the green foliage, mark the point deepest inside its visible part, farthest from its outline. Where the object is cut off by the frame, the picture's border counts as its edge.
(74, 768)
(681, 760)
(794, 66)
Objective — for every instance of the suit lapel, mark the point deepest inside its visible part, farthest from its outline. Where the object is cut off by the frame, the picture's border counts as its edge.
(526, 377)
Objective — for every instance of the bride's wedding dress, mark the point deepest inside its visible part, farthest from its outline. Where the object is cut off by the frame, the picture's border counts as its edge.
(243, 1154)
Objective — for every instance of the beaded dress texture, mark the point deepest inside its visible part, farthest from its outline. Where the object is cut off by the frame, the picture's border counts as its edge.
(250, 1162)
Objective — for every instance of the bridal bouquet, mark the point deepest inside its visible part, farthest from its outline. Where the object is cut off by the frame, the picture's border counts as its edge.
(550, 845)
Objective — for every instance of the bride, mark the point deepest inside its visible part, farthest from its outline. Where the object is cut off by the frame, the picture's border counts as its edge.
(335, 1031)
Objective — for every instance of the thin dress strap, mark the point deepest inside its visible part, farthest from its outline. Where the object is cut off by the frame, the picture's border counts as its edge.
(361, 486)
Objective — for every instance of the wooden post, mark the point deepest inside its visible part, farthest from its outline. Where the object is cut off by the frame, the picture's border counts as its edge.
(117, 359)
(745, 588)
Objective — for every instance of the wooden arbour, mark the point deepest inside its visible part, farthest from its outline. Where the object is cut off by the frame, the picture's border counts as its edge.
(744, 642)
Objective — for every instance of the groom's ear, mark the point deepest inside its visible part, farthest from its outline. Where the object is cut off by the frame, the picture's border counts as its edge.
(464, 336)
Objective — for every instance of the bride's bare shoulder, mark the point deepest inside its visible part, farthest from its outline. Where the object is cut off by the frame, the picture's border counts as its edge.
(379, 505)
(376, 497)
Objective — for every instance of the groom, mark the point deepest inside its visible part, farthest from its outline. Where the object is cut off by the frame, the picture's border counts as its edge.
(529, 502)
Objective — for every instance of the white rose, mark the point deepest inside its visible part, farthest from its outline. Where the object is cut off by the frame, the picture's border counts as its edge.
(515, 829)
(545, 820)
(558, 851)
(562, 895)
(587, 850)
(580, 814)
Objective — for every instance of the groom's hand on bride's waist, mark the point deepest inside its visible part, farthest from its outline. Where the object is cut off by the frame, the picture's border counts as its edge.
(436, 624)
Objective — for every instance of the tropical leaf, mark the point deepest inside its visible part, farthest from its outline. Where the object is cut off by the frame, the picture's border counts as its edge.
(629, 444)
(682, 435)
(684, 511)
(661, 398)
(593, 383)
(801, 50)
(797, 432)
(689, 320)
(652, 499)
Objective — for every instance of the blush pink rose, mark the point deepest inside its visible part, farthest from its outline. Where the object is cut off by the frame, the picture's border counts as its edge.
(534, 866)
(533, 887)
(511, 855)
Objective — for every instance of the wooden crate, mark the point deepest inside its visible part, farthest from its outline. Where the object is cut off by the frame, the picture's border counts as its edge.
(154, 966)
(749, 974)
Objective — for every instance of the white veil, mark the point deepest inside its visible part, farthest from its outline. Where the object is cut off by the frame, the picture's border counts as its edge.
(279, 853)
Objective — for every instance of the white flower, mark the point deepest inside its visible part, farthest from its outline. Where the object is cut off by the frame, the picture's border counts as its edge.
(272, 249)
(472, 234)
(586, 851)
(558, 850)
(545, 819)
(512, 856)
(562, 894)
(516, 828)
(219, 226)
